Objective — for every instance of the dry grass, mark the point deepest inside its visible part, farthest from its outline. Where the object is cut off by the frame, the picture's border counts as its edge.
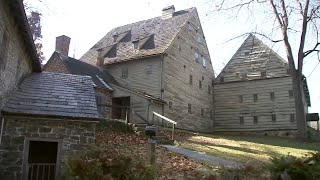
(245, 148)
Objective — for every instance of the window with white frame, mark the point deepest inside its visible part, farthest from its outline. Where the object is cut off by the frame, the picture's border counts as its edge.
(196, 56)
(204, 62)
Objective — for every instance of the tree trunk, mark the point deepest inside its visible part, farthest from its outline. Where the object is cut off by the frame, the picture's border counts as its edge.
(299, 104)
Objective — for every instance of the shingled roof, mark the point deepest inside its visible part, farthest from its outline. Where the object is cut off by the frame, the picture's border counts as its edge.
(100, 77)
(54, 94)
(155, 36)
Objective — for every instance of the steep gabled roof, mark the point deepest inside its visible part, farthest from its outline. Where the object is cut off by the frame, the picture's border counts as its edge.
(155, 36)
(54, 94)
(251, 60)
(100, 77)
(16, 9)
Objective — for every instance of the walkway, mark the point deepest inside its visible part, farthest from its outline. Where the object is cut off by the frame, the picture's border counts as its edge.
(203, 157)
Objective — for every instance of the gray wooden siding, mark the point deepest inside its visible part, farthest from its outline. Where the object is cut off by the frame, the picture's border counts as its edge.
(17, 64)
(250, 60)
(228, 108)
(138, 78)
(179, 64)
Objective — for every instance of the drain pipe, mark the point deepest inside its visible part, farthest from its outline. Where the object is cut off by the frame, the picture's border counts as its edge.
(2, 124)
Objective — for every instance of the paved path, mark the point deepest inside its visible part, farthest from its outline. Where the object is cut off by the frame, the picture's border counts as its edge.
(200, 156)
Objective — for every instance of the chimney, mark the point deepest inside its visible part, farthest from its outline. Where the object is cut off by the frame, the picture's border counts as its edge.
(168, 12)
(100, 58)
(62, 44)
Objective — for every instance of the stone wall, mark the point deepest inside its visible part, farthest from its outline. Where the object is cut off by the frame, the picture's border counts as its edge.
(76, 137)
(16, 64)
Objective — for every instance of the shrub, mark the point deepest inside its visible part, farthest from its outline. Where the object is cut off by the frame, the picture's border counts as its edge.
(290, 167)
(106, 163)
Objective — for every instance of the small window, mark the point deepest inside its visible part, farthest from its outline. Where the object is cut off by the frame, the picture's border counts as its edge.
(240, 98)
(204, 62)
(272, 96)
(209, 89)
(211, 114)
(290, 93)
(263, 74)
(135, 44)
(115, 37)
(170, 104)
(212, 82)
(200, 84)
(202, 112)
(196, 56)
(149, 69)
(99, 104)
(255, 119)
(184, 66)
(255, 97)
(202, 78)
(292, 117)
(124, 72)
(273, 118)
(221, 79)
(241, 120)
(179, 47)
(190, 79)
(288, 71)
(200, 39)
(189, 108)
(246, 53)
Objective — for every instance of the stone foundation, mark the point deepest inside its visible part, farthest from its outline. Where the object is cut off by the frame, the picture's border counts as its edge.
(75, 137)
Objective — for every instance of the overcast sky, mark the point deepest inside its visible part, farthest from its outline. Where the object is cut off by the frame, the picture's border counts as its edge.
(86, 22)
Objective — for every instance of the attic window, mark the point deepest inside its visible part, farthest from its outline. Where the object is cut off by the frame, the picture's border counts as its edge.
(139, 43)
(189, 26)
(246, 53)
(263, 74)
(222, 79)
(288, 71)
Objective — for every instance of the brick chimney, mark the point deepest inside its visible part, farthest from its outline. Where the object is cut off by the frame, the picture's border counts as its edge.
(168, 12)
(62, 44)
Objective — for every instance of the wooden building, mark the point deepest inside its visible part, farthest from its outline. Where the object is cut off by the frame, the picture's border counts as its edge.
(254, 92)
(165, 57)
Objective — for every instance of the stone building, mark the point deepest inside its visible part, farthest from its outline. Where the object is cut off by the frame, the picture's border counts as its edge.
(254, 92)
(165, 57)
(44, 116)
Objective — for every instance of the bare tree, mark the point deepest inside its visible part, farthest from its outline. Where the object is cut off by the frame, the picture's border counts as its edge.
(299, 18)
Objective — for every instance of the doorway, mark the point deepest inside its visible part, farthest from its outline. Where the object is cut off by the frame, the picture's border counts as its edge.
(120, 108)
(42, 160)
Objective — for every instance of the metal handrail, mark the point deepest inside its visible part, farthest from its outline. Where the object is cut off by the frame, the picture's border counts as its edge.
(167, 119)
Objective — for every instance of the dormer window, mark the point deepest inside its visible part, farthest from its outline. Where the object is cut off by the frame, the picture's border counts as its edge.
(135, 44)
(115, 37)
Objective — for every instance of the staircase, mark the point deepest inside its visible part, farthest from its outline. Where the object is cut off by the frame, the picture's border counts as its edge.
(161, 137)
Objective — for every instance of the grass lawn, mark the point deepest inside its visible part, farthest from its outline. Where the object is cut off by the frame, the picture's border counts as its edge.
(247, 148)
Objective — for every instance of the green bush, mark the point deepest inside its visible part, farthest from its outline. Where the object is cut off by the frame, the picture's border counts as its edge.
(290, 167)
(104, 163)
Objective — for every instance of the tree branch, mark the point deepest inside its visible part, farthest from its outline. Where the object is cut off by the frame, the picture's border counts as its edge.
(314, 49)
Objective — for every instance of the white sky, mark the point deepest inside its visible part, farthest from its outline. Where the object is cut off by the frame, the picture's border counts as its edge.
(86, 22)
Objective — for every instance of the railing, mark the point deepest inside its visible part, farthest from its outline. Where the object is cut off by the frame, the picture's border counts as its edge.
(167, 119)
(41, 171)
